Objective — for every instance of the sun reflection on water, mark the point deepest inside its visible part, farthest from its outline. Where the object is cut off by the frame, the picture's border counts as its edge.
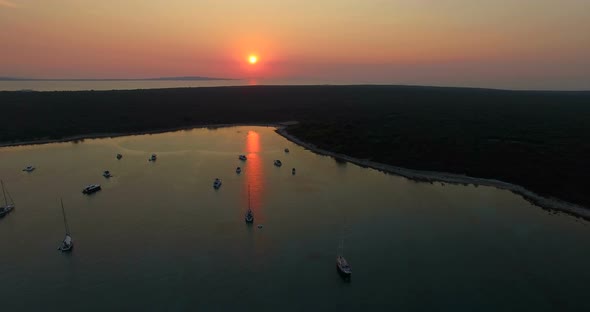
(254, 175)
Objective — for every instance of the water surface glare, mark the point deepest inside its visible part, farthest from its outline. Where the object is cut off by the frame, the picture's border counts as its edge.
(158, 237)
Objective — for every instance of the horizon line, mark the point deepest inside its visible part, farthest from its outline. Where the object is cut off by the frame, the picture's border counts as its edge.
(177, 78)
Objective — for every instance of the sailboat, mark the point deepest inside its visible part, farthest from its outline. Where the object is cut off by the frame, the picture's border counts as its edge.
(341, 264)
(67, 244)
(4, 210)
(249, 215)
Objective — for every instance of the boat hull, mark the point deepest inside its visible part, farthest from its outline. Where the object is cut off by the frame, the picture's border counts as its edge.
(92, 190)
(5, 210)
(343, 271)
(344, 275)
(343, 267)
(67, 244)
(66, 248)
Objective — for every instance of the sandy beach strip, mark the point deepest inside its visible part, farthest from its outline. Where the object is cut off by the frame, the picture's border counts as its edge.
(451, 178)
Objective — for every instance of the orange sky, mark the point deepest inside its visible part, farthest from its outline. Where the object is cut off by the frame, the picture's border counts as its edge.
(519, 43)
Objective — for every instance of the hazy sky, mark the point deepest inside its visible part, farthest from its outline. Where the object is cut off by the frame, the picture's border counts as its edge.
(502, 43)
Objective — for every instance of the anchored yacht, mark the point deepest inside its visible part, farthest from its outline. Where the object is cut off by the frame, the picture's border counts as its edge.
(89, 189)
(68, 243)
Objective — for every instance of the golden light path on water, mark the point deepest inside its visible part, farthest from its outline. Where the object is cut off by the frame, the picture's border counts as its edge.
(255, 174)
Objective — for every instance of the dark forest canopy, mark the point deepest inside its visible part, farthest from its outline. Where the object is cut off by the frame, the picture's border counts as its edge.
(537, 139)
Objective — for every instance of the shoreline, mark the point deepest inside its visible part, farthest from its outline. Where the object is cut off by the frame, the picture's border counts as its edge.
(548, 203)
(157, 131)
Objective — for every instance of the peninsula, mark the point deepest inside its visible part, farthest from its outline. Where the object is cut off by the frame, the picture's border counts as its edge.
(536, 139)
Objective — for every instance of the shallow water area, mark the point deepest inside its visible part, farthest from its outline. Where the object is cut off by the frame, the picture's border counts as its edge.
(158, 236)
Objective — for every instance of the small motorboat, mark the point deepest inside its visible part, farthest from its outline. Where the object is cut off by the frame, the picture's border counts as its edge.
(107, 174)
(260, 226)
(286, 150)
(153, 157)
(91, 189)
(238, 170)
(293, 171)
(217, 183)
(119, 156)
(242, 157)
(278, 163)
(343, 267)
(29, 168)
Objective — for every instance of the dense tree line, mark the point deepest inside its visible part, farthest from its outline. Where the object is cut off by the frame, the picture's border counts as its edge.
(537, 139)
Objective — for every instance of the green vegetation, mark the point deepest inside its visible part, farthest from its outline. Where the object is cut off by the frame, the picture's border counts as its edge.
(540, 140)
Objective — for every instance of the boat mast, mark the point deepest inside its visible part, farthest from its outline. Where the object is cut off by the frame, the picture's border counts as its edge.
(10, 197)
(341, 246)
(248, 196)
(4, 193)
(64, 214)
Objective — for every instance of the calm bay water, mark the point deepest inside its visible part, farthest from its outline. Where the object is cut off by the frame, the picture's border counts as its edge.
(159, 237)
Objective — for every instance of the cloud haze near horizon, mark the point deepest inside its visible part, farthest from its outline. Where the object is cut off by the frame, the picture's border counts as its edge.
(541, 44)
(6, 3)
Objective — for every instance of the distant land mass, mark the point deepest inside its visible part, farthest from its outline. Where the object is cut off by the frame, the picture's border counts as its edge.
(183, 78)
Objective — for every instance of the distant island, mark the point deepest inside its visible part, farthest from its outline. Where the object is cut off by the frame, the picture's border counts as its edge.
(183, 78)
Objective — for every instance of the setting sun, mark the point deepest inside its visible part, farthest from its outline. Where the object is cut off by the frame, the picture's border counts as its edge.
(253, 59)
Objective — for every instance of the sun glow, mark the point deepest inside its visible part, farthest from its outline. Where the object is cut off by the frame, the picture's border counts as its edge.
(253, 59)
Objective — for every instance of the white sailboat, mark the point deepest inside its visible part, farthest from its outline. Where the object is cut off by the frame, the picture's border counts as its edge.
(249, 215)
(8, 205)
(67, 244)
(342, 265)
